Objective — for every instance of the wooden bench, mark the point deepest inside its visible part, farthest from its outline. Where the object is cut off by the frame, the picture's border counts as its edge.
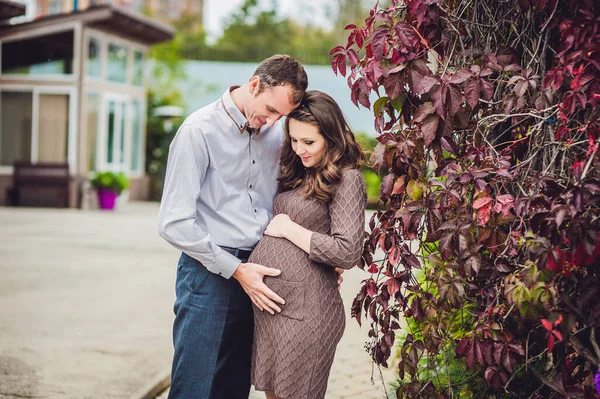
(27, 175)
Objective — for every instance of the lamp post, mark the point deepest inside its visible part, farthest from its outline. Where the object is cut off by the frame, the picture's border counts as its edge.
(168, 113)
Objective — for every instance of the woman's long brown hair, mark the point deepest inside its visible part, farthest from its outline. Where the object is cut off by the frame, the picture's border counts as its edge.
(341, 149)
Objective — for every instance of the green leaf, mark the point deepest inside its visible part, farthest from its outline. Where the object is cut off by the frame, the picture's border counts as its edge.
(415, 189)
(398, 103)
(379, 104)
(520, 295)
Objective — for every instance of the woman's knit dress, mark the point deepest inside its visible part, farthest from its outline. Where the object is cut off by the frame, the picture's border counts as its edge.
(293, 350)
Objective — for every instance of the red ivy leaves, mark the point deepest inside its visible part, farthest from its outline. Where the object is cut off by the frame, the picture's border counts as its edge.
(497, 358)
(452, 166)
(339, 60)
(553, 333)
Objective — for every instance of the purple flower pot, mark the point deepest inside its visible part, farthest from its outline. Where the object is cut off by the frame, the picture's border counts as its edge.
(107, 198)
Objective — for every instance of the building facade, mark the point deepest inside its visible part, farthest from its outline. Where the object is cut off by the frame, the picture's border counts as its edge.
(165, 11)
(72, 89)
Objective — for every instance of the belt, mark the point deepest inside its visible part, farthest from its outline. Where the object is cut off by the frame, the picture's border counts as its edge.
(238, 253)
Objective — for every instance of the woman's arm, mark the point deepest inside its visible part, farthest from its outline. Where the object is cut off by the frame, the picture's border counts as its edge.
(283, 227)
(343, 246)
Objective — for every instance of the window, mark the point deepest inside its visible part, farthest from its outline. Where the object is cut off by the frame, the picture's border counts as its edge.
(136, 136)
(138, 68)
(94, 60)
(44, 55)
(92, 115)
(117, 63)
(15, 129)
(115, 134)
(110, 139)
(53, 127)
(55, 7)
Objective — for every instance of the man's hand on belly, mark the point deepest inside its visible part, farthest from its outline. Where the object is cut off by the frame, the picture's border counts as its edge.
(251, 278)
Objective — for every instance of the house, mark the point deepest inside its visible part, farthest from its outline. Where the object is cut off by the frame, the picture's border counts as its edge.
(166, 11)
(72, 89)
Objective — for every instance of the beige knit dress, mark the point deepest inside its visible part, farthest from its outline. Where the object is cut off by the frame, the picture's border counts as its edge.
(293, 350)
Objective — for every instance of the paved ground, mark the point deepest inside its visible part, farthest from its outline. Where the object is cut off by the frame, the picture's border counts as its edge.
(85, 307)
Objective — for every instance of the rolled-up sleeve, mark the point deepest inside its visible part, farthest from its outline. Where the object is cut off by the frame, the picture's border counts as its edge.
(343, 246)
(187, 164)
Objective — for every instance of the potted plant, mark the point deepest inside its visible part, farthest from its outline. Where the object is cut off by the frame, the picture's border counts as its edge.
(109, 186)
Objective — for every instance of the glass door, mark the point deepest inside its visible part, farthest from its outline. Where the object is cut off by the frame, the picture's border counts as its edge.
(115, 133)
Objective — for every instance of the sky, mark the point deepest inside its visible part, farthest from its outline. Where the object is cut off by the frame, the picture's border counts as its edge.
(217, 11)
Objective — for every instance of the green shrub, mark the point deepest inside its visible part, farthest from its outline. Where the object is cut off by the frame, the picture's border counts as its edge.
(110, 181)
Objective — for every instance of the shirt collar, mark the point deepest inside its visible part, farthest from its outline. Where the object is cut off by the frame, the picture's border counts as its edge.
(233, 112)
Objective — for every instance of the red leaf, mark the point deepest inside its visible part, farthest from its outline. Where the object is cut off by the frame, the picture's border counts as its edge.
(489, 375)
(387, 139)
(487, 347)
(399, 185)
(336, 50)
(373, 268)
(558, 320)
(438, 100)
(454, 99)
(481, 202)
(427, 83)
(394, 257)
(350, 27)
(560, 216)
(460, 76)
(378, 41)
(417, 71)
(478, 350)
(472, 89)
(360, 37)
(508, 361)
(520, 88)
(488, 89)
(371, 288)
(394, 85)
(558, 335)
(353, 57)
(429, 128)
(550, 342)
(547, 325)
(555, 259)
(385, 189)
(360, 93)
(483, 216)
(470, 356)
(341, 63)
(423, 111)
(517, 348)
(392, 286)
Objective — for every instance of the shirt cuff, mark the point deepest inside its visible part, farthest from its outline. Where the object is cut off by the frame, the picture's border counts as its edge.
(225, 264)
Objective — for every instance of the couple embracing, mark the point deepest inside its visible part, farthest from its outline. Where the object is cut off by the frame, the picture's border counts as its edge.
(267, 214)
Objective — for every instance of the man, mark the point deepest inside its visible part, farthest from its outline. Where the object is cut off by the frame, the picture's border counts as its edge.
(219, 188)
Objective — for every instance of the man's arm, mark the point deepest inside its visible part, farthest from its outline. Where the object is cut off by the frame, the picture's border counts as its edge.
(186, 170)
(187, 164)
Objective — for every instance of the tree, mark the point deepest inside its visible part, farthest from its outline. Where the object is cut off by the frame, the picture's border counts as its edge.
(489, 125)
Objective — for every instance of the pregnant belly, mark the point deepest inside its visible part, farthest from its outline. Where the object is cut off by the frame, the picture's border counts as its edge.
(281, 254)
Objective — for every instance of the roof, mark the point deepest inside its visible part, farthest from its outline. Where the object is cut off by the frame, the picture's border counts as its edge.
(10, 9)
(106, 17)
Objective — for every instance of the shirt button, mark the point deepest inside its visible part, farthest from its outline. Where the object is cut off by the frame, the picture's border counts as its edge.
(251, 186)
(255, 211)
(253, 161)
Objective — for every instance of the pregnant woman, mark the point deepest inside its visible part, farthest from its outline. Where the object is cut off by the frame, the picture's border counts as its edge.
(318, 226)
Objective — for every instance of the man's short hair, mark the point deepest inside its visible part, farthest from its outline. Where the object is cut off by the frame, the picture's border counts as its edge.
(281, 69)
